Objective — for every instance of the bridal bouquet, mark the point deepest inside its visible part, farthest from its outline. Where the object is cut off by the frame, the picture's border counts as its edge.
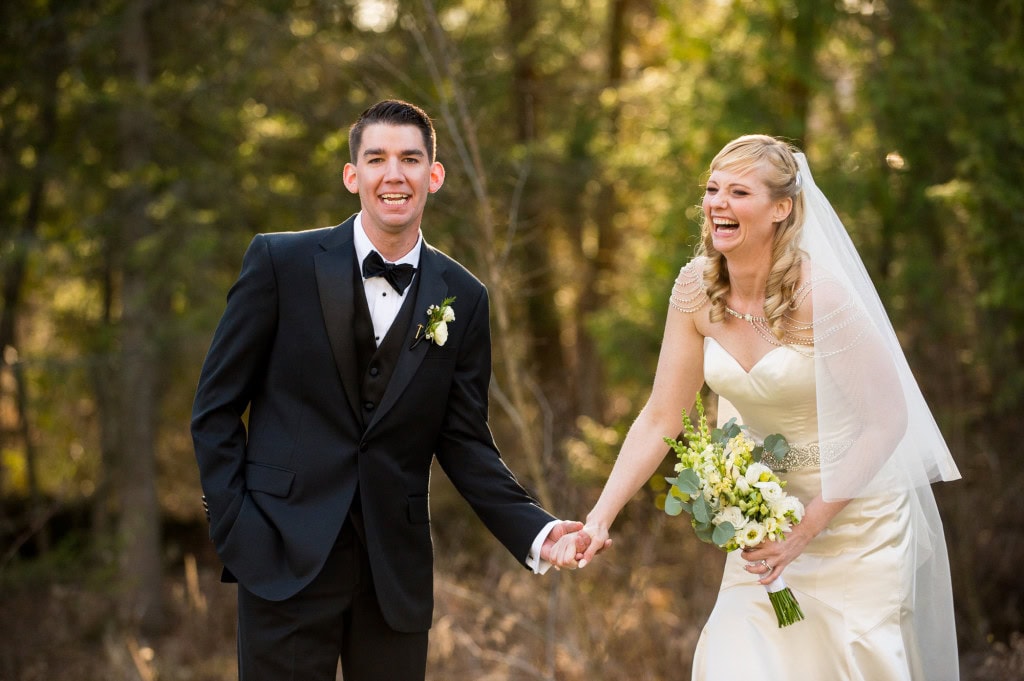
(735, 500)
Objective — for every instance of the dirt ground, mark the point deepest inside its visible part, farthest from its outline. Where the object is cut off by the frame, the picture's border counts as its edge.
(493, 622)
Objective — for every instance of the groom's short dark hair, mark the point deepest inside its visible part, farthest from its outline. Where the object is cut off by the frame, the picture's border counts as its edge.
(393, 112)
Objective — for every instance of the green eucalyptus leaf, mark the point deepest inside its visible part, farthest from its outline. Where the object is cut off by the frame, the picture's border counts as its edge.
(701, 510)
(673, 505)
(703, 532)
(688, 481)
(731, 428)
(723, 533)
(777, 446)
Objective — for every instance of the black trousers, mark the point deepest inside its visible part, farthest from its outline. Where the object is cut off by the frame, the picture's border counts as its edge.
(336, 616)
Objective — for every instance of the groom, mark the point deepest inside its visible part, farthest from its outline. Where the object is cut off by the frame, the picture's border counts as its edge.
(318, 500)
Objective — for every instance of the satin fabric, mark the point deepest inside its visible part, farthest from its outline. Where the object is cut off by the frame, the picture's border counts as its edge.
(852, 581)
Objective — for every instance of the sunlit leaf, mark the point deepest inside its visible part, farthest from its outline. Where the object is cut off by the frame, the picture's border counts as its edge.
(673, 505)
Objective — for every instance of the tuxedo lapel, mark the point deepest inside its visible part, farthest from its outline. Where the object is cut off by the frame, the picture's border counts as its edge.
(431, 291)
(337, 301)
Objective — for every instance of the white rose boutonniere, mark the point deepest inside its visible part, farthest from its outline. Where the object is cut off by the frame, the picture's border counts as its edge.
(436, 328)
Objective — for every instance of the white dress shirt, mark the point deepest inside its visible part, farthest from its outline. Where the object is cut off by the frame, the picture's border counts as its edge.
(384, 303)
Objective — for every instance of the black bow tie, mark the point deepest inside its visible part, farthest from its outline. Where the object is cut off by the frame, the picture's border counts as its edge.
(399, 276)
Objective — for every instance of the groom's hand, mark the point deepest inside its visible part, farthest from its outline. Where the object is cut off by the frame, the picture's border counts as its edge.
(547, 549)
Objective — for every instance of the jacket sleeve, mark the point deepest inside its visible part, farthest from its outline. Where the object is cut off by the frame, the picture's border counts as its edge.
(234, 365)
(467, 451)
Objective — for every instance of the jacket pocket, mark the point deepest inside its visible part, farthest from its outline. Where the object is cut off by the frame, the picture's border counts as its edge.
(269, 479)
(419, 509)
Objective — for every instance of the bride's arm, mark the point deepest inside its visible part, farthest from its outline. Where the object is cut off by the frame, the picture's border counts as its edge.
(679, 376)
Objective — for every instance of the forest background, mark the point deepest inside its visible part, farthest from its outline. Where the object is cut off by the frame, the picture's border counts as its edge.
(144, 142)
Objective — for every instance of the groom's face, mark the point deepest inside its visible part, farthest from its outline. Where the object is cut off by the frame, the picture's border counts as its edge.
(393, 176)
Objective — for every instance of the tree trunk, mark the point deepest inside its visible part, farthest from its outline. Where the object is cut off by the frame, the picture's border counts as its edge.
(104, 377)
(51, 65)
(139, 522)
(590, 384)
(543, 358)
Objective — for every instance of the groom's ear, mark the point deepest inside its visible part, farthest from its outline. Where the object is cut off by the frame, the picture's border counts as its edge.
(348, 176)
(436, 176)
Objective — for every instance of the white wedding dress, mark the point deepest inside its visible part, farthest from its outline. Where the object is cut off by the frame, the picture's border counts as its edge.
(852, 581)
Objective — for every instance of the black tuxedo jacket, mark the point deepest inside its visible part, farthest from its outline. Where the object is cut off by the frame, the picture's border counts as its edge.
(280, 484)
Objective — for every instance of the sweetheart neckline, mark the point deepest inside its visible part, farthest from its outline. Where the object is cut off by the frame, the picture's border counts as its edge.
(738, 363)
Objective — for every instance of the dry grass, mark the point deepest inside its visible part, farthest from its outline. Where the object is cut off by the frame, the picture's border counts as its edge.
(636, 613)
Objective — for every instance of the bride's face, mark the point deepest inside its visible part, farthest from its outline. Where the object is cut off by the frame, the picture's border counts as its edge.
(740, 212)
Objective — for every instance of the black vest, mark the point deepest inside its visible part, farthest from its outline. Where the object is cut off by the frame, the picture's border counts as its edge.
(377, 363)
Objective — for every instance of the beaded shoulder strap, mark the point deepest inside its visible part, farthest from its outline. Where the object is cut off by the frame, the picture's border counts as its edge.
(688, 292)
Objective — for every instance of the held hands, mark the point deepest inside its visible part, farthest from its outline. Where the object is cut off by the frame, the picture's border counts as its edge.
(563, 543)
(599, 541)
(568, 550)
(576, 547)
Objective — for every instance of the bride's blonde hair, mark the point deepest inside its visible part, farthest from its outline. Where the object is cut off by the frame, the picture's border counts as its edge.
(773, 160)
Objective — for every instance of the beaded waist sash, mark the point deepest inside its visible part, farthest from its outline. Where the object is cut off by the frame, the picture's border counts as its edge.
(805, 456)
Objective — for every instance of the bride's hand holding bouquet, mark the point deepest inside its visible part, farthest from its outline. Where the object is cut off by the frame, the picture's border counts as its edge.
(736, 502)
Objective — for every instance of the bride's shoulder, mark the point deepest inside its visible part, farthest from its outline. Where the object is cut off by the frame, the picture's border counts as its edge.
(819, 290)
(693, 271)
(689, 293)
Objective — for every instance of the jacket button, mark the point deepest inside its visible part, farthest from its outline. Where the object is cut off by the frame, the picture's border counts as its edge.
(374, 371)
(368, 406)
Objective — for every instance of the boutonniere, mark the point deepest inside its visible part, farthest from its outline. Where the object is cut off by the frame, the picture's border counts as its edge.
(436, 328)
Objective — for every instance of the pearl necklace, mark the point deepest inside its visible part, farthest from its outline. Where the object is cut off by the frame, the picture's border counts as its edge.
(760, 325)
(746, 316)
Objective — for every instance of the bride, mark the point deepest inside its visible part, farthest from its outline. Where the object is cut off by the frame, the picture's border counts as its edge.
(778, 316)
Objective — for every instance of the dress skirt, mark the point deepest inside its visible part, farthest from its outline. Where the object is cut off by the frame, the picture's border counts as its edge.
(852, 584)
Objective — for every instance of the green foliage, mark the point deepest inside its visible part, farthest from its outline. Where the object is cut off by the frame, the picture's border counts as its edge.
(774, 446)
